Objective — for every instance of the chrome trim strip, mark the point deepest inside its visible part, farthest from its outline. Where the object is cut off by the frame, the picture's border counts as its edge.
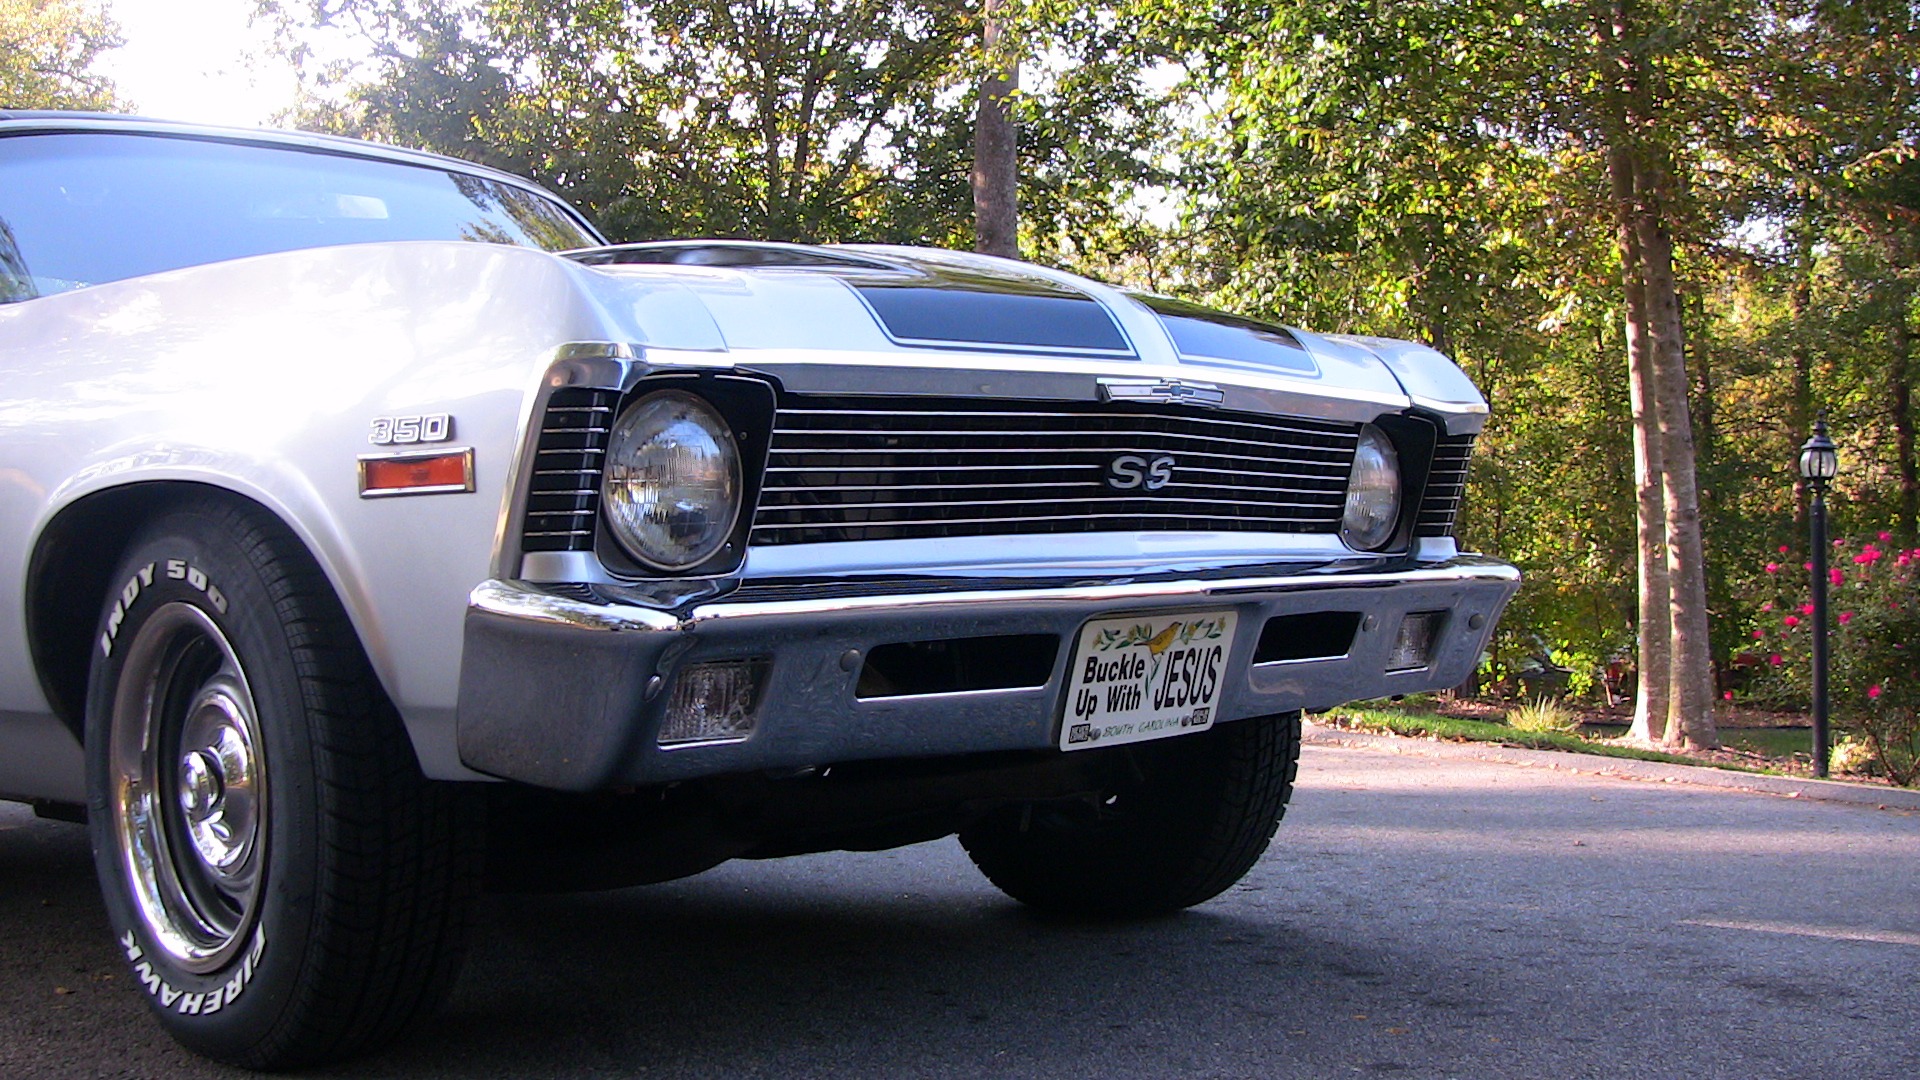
(523, 601)
(780, 526)
(893, 373)
(516, 600)
(722, 611)
(1266, 664)
(1004, 347)
(1127, 553)
(696, 744)
(591, 350)
(832, 257)
(950, 695)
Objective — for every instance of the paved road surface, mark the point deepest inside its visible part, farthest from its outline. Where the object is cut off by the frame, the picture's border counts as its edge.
(1417, 917)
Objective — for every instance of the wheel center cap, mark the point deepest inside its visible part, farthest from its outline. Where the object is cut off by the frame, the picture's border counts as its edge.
(202, 784)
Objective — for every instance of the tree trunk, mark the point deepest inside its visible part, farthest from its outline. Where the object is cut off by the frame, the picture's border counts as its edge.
(996, 176)
(1641, 181)
(1653, 670)
(1900, 376)
(1690, 699)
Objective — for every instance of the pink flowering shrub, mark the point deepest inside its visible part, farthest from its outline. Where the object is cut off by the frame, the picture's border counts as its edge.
(1873, 648)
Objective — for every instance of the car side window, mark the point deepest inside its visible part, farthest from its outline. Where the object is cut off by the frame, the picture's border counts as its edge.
(78, 209)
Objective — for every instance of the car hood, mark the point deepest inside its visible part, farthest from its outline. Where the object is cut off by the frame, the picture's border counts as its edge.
(883, 319)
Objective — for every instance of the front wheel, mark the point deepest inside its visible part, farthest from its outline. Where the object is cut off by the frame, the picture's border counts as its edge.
(284, 885)
(1183, 820)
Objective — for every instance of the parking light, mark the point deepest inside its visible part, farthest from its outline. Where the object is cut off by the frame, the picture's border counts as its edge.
(1413, 642)
(713, 702)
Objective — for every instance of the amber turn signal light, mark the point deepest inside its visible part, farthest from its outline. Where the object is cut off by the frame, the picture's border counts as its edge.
(417, 473)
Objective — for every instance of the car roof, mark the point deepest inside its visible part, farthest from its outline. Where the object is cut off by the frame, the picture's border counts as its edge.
(51, 121)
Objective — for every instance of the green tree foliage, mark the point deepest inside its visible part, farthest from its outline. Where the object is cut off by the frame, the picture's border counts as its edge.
(814, 120)
(1435, 169)
(47, 51)
(685, 117)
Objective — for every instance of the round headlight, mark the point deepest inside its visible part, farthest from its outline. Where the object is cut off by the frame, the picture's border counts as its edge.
(671, 490)
(1373, 492)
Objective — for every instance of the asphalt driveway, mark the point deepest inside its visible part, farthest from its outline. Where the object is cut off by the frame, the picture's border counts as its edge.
(1417, 917)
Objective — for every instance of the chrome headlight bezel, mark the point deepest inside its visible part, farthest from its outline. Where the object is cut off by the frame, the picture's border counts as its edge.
(1370, 520)
(640, 495)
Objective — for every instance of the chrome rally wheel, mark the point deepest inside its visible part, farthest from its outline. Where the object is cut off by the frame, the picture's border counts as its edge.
(188, 788)
(284, 885)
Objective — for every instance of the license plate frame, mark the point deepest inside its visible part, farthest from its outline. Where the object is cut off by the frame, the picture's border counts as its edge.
(1134, 678)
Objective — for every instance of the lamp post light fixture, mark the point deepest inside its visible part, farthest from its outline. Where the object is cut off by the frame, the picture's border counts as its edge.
(1819, 462)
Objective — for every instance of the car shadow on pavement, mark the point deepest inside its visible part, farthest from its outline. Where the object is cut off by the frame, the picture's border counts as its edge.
(897, 963)
(891, 964)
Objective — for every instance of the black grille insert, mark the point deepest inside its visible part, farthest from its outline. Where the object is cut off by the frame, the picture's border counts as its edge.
(563, 498)
(846, 468)
(1446, 484)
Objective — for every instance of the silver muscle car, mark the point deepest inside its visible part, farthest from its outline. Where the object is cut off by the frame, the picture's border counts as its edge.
(371, 533)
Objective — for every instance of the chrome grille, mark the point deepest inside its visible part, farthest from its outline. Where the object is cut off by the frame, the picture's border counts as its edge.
(564, 495)
(893, 468)
(1446, 484)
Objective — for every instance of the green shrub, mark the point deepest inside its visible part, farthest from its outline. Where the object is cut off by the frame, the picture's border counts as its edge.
(1853, 755)
(1873, 649)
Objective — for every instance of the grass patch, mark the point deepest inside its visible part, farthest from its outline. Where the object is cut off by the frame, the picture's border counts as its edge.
(1768, 742)
(1428, 725)
(1773, 742)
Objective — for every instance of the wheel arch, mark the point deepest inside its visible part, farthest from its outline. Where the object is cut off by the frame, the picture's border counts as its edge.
(69, 571)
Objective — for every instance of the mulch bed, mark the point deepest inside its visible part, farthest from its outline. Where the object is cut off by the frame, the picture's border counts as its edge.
(1727, 716)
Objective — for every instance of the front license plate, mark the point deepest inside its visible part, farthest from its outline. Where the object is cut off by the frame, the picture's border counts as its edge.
(1146, 677)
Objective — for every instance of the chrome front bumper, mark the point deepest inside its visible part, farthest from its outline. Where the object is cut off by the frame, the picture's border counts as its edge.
(564, 687)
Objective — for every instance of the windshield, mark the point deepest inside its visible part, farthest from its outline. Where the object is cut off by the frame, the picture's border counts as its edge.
(81, 209)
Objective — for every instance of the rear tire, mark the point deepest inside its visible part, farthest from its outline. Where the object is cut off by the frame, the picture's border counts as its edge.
(284, 884)
(1185, 819)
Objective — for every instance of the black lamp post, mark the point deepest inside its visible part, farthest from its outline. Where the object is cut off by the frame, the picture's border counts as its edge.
(1818, 464)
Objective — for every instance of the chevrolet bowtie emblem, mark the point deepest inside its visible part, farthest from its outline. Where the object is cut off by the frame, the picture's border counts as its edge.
(1161, 391)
